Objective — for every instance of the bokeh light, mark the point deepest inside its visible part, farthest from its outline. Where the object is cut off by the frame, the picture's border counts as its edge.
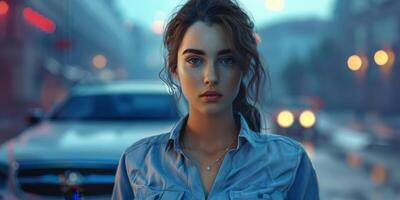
(158, 26)
(99, 61)
(355, 62)
(257, 37)
(378, 174)
(381, 57)
(106, 75)
(307, 119)
(3, 8)
(275, 5)
(354, 159)
(285, 119)
(36, 19)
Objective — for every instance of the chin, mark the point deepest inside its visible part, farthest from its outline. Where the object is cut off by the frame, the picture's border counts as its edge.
(213, 109)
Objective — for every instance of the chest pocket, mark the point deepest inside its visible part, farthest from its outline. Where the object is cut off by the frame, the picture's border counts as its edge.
(146, 193)
(255, 193)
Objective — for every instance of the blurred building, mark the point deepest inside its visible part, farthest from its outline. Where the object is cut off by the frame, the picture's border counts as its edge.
(310, 57)
(287, 42)
(364, 27)
(47, 46)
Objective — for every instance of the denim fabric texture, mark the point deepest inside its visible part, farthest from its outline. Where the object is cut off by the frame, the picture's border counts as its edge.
(262, 166)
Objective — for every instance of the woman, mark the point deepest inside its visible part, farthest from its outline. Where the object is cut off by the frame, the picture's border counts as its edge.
(216, 151)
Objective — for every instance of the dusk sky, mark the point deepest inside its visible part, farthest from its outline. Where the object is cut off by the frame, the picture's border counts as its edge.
(146, 13)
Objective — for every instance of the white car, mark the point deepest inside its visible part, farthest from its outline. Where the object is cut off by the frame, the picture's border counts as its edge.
(74, 151)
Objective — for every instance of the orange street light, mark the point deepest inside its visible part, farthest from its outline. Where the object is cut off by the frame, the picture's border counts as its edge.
(99, 61)
(381, 57)
(275, 5)
(355, 62)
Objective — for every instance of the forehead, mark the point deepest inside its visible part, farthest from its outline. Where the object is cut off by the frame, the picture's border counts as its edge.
(202, 36)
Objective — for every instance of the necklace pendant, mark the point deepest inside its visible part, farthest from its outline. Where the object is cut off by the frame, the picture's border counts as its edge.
(208, 168)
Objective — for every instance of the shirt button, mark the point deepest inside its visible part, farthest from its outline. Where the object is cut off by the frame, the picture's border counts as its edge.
(263, 196)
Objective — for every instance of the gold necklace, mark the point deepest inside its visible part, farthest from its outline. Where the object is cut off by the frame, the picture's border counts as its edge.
(209, 167)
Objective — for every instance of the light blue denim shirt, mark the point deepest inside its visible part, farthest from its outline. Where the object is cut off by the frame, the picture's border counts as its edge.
(262, 166)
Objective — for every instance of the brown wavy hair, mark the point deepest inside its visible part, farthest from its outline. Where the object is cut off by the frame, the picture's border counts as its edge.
(240, 30)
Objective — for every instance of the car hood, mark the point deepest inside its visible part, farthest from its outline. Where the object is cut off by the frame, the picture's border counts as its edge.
(82, 141)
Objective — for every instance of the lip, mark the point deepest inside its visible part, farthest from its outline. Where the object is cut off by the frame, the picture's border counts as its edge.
(211, 96)
(210, 93)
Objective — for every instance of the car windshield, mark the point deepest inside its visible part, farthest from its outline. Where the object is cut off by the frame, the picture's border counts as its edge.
(117, 107)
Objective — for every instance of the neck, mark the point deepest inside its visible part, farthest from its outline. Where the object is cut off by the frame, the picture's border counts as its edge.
(210, 132)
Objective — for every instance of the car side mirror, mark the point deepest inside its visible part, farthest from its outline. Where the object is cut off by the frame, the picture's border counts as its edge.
(34, 116)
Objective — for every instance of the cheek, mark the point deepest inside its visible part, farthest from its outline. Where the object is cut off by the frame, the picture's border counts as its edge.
(189, 79)
(234, 82)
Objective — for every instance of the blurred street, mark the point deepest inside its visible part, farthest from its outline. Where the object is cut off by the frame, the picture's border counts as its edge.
(352, 164)
(340, 180)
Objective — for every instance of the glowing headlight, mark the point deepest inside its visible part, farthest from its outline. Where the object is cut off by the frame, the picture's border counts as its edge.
(285, 119)
(307, 119)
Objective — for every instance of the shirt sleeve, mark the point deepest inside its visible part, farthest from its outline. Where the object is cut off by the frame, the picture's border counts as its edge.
(305, 184)
(122, 186)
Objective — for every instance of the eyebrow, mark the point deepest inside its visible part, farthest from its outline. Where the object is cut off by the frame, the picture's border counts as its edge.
(200, 52)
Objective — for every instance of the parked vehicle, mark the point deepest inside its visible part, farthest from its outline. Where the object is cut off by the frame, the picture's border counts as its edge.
(74, 151)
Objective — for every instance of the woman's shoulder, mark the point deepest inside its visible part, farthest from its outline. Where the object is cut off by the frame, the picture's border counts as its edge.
(278, 142)
(145, 144)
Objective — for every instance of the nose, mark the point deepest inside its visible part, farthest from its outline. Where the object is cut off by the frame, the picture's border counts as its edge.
(210, 75)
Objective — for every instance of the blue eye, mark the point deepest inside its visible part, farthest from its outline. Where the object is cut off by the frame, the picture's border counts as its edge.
(227, 61)
(194, 61)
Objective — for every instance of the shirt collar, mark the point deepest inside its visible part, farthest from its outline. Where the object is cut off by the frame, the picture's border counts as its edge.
(245, 133)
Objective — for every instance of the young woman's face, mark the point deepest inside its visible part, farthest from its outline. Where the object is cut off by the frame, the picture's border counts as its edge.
(206, 63)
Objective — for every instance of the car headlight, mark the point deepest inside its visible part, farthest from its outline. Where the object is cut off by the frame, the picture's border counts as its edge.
(307, 119)
(285, 119)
